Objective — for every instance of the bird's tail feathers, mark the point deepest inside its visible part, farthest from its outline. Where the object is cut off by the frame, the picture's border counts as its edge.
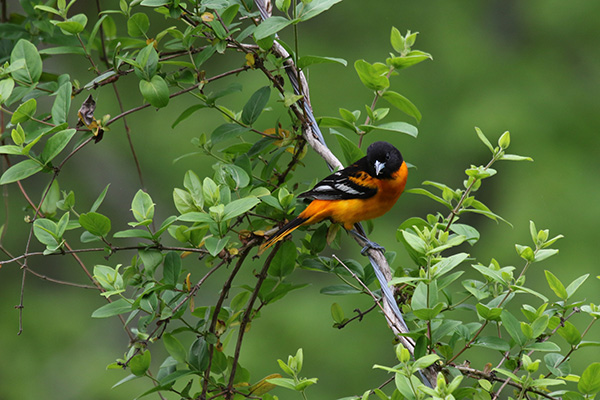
(283, 232)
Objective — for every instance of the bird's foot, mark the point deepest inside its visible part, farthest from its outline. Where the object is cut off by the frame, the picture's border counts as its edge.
(369, 243)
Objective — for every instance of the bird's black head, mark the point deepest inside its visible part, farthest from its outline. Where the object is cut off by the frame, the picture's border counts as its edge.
(383, 159)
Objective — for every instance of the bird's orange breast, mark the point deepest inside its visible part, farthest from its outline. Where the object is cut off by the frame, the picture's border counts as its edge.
(350, 211)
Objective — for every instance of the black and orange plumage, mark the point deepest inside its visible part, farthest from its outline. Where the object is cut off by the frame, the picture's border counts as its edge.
(364, 190)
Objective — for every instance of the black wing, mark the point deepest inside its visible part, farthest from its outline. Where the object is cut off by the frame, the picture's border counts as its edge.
(349, 183)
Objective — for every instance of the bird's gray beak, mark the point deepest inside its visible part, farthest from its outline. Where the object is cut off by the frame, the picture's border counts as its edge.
(379, 166)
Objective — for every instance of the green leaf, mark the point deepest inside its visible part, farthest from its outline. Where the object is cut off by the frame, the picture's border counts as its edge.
(425, 361)
(229, 14)
(336, 290)
(215, 245)
(283, 382)
(370, 76)
(154, 3)
(397, 126)
(256, 104)
(238, 174)
(524, 289)
(47, 9)
(196, 217)
(20, 171)
(492, 342)
(142, 207)
(336, 123)
(337, 313)
(542, 346)
(140, 363)
(490, 273)
(557, 364)
(73, 25)
(174, 347)
(56, 144)
(447, 264)
(155, 91)
(138, 24)
(514, 157)
(94, 223)
(403, 104)
(49, 205)
(25, 112)
(100, 199)
(573, 286)
(556, 285)
(589, 383)
(183, 200)
(117, 307)
(172, 270)
(412, 58)
(513, 327)
(108, 277)
(238, 207)
(485, 140)
(548, 382)
(350, 150)
(508, 373)
(542, 254)
(147, 62)
(239, 301)
(65, 50)
(46, 231)
(432, 196)
(62, 104)
(397, 40)
(305, 61)
(428, 313)
(307, 10)
(487, 313)
(570, 333)
(6, 87)
(284, 261)
(539, 325)
(204, 55)
(150, 258)
(187, 113)
(270, 26)
(95, 29)
(227, 131)
(32, 70)
(11, 149)
(415, 242)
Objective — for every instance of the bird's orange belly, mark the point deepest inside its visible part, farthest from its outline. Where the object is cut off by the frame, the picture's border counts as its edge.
(350, 211)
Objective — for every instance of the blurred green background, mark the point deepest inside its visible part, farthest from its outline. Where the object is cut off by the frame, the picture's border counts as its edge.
(530, 67)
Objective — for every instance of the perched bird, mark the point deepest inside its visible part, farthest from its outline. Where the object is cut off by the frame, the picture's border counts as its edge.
(364, 190)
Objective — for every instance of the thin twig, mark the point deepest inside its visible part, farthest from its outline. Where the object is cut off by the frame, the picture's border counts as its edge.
(113, 249)
(474, 373)
(188, 89)
(247, 317)
(218, 306)
(377, 301)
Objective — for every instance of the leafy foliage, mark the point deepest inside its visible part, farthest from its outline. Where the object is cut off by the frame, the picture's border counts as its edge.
(224, 216)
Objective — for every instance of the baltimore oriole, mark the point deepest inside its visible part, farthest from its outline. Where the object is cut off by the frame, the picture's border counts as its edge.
(364, 190)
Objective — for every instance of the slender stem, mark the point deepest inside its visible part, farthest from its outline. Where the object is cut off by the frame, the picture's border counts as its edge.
(247, 317)
(474, 373)
(189, 89)
(113, 249)
(388, 317)
(218, 306)
(466, 193)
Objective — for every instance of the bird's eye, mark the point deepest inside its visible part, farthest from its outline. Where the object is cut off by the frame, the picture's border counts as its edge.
(387, 156)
